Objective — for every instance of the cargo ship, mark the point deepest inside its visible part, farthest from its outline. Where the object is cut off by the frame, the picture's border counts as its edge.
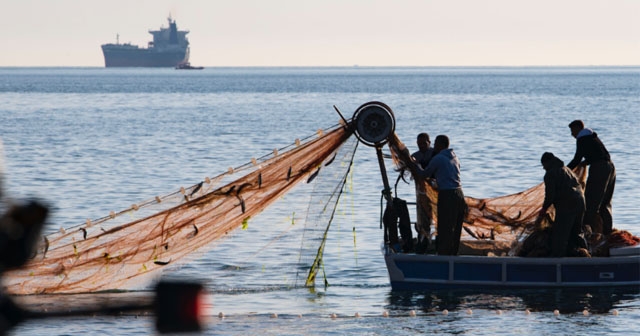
(169, 48)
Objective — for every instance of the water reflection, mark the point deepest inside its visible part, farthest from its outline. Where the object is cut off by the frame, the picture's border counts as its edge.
(596, 301)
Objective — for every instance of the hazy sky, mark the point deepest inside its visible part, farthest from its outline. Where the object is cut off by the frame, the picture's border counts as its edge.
(331, 32)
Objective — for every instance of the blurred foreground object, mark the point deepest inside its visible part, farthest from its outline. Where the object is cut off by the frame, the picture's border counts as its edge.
(178, 307)
(20, 228)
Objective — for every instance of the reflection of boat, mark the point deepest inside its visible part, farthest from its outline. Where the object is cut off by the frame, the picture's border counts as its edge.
(565, 300)
(169, 47)
(494, 227)
(187, 66)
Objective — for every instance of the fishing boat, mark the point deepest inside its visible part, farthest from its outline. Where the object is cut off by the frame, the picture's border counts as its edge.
(494, 231)
(128, 248)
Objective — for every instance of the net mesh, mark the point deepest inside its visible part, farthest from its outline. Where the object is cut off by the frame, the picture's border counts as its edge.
(126, 248)
(321, 211)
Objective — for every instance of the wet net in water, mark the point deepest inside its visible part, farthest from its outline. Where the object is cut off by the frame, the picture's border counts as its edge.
(127, 248)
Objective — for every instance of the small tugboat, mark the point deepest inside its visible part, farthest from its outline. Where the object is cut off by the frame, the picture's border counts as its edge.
(187, 66)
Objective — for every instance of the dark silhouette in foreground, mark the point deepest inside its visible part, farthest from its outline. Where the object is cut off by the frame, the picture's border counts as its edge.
(176, 304)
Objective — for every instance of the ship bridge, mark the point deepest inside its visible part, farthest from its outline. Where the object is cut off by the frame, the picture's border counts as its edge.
(170, 37)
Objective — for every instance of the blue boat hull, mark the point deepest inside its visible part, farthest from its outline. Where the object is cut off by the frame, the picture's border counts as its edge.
(417, 272)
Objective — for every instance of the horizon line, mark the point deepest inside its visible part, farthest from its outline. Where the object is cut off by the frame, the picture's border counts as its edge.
(344, 66)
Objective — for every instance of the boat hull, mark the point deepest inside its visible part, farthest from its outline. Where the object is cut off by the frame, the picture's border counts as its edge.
(417, 272)
(116, 56)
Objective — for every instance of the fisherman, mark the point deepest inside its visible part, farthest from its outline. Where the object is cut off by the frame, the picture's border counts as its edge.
(564, 192)
(452, 208)
(601, 180)
(425, 151)
(423, 220)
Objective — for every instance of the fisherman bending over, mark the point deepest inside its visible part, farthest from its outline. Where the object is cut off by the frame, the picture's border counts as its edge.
(562, 190)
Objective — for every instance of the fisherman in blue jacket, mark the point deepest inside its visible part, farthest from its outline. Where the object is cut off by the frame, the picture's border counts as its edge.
(452, 208)
(601, 180)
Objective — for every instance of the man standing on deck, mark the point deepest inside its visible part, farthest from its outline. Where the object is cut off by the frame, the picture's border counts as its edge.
(423, 220)
(425, 151)
(601, 180)
(452, 208)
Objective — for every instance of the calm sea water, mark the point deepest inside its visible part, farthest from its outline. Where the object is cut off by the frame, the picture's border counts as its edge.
(91, 140)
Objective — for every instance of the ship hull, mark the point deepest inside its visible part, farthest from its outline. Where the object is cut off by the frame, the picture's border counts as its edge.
(114, 56)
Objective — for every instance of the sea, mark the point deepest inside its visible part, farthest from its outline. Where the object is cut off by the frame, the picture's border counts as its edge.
(87, 141)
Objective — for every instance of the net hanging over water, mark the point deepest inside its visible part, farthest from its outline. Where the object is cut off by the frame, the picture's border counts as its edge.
(127, 248)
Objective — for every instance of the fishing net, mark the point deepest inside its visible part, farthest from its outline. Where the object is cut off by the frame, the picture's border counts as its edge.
(503, 219)
(126, 248)
(321, 211)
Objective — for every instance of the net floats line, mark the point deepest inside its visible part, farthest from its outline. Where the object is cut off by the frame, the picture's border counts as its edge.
(410, 313)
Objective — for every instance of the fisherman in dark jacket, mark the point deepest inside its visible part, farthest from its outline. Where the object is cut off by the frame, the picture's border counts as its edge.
(601, 180)
(563, 191)
(423, 219)
(425, 151)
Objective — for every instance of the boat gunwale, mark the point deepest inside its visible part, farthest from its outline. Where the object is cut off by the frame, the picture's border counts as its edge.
(476, 259)
(398, 280)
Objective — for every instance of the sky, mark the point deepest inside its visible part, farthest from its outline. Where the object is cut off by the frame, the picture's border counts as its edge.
(331, 32)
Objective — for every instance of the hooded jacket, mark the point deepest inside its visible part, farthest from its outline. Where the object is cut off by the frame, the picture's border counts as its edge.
(589, 147)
